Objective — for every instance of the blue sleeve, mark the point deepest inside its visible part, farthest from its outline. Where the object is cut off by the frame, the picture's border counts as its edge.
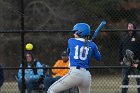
(96, 53)
(39, 71)
(20, 72)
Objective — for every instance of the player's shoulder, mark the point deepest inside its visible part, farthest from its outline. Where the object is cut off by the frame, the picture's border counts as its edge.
(71, 40)
(77, 39)
(93, 44)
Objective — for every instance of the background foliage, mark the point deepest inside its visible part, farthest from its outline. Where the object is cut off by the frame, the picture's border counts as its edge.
(54, 19)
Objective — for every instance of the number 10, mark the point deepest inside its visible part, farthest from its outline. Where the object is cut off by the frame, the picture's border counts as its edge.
(79, 53)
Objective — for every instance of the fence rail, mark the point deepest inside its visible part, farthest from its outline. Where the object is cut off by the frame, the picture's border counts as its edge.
(67, 31)
(91, 67)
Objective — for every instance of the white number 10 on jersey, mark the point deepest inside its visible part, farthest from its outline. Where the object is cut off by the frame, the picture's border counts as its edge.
(81, 53)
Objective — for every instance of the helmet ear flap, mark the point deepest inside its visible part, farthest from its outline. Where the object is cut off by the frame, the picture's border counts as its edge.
(79, 33)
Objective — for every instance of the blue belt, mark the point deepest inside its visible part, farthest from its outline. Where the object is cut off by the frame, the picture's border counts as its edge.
(78, 67)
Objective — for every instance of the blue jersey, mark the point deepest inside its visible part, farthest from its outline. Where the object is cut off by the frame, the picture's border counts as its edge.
(80, 52)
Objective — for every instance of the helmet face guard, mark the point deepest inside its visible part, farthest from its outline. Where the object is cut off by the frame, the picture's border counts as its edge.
(82, 29)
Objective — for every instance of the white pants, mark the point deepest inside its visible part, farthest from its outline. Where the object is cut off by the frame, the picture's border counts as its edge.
(76, 77)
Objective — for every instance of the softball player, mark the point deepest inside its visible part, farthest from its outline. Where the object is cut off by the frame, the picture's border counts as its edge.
(80, 52)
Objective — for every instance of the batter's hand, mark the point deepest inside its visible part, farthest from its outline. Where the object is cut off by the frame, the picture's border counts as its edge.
(121, 63)
(135, 65)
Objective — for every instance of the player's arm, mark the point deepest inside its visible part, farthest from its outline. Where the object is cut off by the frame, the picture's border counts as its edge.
(20, 72)
(96, 53)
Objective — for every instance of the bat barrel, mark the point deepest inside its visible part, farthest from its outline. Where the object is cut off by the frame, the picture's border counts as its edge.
(102, 24)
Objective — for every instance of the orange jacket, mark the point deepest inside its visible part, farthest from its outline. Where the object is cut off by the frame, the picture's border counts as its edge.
(60, 72)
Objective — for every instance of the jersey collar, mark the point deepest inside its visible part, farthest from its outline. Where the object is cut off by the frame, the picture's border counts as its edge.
(80, 39)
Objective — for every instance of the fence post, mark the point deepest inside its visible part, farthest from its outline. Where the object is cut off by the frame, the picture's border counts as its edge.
(22, 44)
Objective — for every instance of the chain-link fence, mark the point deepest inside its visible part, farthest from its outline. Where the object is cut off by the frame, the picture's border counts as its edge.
(48, 46)
(101, 82)
(47, 25)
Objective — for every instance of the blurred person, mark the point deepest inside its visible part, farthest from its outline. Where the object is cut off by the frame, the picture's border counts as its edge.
(129, 50)
(32, 76)
(63, 62)
(58, 73)
(1, 76)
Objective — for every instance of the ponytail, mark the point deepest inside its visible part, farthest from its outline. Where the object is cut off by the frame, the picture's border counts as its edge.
(86, 41)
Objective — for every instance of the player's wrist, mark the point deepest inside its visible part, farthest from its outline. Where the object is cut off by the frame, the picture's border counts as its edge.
(121, 62)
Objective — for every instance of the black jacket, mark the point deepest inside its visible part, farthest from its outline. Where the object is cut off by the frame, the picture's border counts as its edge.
(1, 76)
(132, 43)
